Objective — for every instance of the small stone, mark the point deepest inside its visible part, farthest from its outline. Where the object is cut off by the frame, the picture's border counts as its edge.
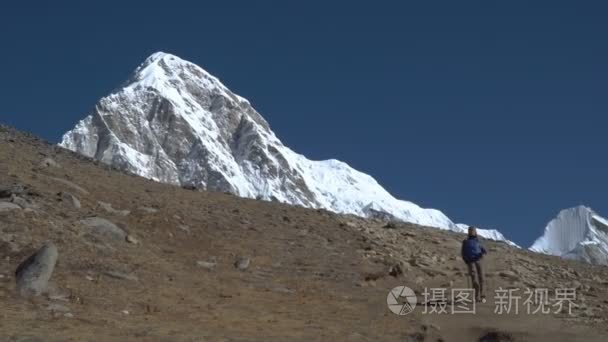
(121, 275)
(125, 312)
(409, 234)
(68, 315)
(209, 265)
(349, 224)
(48, 162)
(89, 278)
(108, 207)
(390, 225)
(132, 239)
(64, 297)
(68, 197)
(242, 263)
(148, 210)
(509, 275)
(430, 327)
(395, 270)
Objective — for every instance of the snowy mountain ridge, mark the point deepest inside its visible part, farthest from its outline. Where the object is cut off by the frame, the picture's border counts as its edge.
(576, 233)
(175, 123)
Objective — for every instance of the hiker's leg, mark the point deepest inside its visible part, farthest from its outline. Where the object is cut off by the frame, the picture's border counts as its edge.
(480, 276)
(471, 270)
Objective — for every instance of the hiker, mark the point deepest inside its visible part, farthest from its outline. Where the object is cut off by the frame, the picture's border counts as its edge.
(472, 252)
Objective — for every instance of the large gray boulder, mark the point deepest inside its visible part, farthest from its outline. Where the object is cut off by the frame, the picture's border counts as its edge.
(104, 228)
(7, 206)
(7, 190)
(34, 273)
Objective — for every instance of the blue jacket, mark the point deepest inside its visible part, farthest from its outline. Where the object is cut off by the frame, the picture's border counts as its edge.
(472, 250)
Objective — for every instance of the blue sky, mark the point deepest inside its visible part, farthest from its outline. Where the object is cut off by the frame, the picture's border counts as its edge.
(493, 112)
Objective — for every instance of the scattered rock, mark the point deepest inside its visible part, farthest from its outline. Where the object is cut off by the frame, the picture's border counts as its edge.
(209, 265)
(349, 224)
(430, 327)
(108, 207)
(48, 162)
(8, 206)
(508, 275)
(64, 297)
(184, 228)
(57, 308)
(20, 201)
(242, 263)
(103, 227)
(16, 189)
(409, 234)
(121, 275)
(33, 274)
(390, 225)
(148, 210)
(68, 197)
(132, 239)
(395, 270)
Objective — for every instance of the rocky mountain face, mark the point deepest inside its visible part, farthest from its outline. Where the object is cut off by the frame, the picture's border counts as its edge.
(175, 123)
(576, 233)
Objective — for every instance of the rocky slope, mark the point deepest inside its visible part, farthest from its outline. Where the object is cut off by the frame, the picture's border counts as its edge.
(140, 260)
(175, 123)
(576, 233)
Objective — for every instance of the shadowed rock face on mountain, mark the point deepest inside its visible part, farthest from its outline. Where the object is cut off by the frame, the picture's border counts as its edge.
(576, 233)
(175, 123)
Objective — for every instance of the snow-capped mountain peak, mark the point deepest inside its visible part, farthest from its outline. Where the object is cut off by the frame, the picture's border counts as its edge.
(175, 123)
(576, 233)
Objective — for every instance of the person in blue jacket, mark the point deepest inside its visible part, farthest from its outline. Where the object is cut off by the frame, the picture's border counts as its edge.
(472, 253)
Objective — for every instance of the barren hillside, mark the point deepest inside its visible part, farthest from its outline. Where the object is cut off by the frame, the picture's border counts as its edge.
(139, 260)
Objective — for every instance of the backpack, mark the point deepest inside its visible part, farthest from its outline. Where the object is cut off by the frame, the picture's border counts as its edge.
(471, 250)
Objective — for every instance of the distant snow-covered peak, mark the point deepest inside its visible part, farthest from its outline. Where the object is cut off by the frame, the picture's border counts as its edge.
(174, 122)
(576, 233)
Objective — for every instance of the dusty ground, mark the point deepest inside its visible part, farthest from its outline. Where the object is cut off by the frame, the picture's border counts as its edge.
(313, 275)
